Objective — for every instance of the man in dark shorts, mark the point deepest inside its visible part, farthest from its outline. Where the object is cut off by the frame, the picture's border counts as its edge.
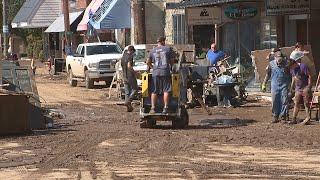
(301, 78)
(129, 77)
(161, 60)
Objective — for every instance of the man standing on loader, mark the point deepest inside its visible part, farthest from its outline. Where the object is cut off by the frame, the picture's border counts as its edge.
(160, 61)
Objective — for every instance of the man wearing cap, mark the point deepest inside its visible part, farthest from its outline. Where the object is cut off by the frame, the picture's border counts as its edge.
(301, 85)
(274, 52)
(279, 72)
(161, 60)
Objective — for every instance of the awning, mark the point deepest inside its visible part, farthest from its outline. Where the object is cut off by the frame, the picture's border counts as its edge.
(37, 14)
(197, 3)
(92, 7)
(58, 24)
(112, 14)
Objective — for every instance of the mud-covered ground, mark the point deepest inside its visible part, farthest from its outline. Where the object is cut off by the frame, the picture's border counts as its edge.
(98, 139)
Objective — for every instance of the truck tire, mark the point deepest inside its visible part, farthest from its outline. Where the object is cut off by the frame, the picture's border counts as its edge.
(72, 82)
(89, 82)
(182, 121)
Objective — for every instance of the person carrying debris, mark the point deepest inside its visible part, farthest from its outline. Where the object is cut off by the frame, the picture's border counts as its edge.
(279, 72)
(299, 48)
(214, 55)
(129, 77)
(160, 61)
(300, 85)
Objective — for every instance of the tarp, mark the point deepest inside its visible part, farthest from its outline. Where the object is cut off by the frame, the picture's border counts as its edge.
(260, 62)
(113, 14)
(92, 7)
(58, 24)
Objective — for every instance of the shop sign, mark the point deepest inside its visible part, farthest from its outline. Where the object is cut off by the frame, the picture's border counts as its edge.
(5, 29)
(240, 12)
(203, 16)
(287, 7)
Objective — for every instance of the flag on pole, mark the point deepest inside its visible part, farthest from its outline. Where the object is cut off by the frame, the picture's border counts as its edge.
(91, 31)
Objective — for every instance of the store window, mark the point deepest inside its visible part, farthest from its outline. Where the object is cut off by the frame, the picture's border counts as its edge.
(268, 33)
(179, 29)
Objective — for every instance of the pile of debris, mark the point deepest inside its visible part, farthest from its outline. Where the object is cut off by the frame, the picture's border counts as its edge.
(20, 108)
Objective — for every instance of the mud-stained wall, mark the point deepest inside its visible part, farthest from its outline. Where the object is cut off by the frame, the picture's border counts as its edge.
(154, 20)
(169, 21)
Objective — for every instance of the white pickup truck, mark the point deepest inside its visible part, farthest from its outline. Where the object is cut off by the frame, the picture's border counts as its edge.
(93, 62)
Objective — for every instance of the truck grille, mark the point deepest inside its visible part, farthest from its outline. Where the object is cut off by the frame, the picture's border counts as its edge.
(105, 64)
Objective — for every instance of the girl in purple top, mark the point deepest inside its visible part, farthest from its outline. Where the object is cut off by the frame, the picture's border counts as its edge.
(301, 83)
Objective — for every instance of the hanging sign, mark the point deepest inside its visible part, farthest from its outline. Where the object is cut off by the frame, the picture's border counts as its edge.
(203, 16)
(240, 12)
(5, 29)
(287, 7)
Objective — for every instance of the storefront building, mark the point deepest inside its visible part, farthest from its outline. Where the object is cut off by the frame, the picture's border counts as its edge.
(297, 21)
(239, 27)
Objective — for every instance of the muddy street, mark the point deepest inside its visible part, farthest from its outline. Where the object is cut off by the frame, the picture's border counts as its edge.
(98, 139)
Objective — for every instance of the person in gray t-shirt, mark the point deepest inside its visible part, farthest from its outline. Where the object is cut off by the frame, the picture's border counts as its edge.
(129, 77)
(161, 60)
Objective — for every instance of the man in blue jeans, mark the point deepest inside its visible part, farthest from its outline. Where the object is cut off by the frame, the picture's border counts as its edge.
(161, 60)
(129, 77)
(278, 71)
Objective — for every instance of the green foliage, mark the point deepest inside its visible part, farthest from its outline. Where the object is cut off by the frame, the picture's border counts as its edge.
(33, 37)
(34, 47)
(13, 7)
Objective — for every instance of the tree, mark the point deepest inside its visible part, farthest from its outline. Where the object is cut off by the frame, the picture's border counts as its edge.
(33, 37)
(13, 8)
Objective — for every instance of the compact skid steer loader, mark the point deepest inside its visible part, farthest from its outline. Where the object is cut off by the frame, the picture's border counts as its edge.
(177, 112)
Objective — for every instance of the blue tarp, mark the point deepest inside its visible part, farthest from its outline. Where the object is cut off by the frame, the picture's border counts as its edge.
(112, 14)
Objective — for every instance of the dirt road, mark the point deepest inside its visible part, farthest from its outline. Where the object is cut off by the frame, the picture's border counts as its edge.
(100, 140)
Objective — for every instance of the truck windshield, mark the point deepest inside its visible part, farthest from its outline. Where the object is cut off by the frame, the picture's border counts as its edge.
(103, 49)
(140, 55)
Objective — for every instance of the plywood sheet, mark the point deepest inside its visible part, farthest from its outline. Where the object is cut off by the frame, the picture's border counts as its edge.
(260, 62)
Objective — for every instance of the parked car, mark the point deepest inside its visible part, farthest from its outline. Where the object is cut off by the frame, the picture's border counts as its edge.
(93, 62)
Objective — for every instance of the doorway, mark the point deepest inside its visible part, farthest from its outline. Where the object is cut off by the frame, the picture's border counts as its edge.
(302, 31)
(203, 36)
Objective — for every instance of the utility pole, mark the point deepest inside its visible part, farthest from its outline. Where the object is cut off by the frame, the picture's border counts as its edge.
(65, 8)
(138, 25)
(5, 28)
